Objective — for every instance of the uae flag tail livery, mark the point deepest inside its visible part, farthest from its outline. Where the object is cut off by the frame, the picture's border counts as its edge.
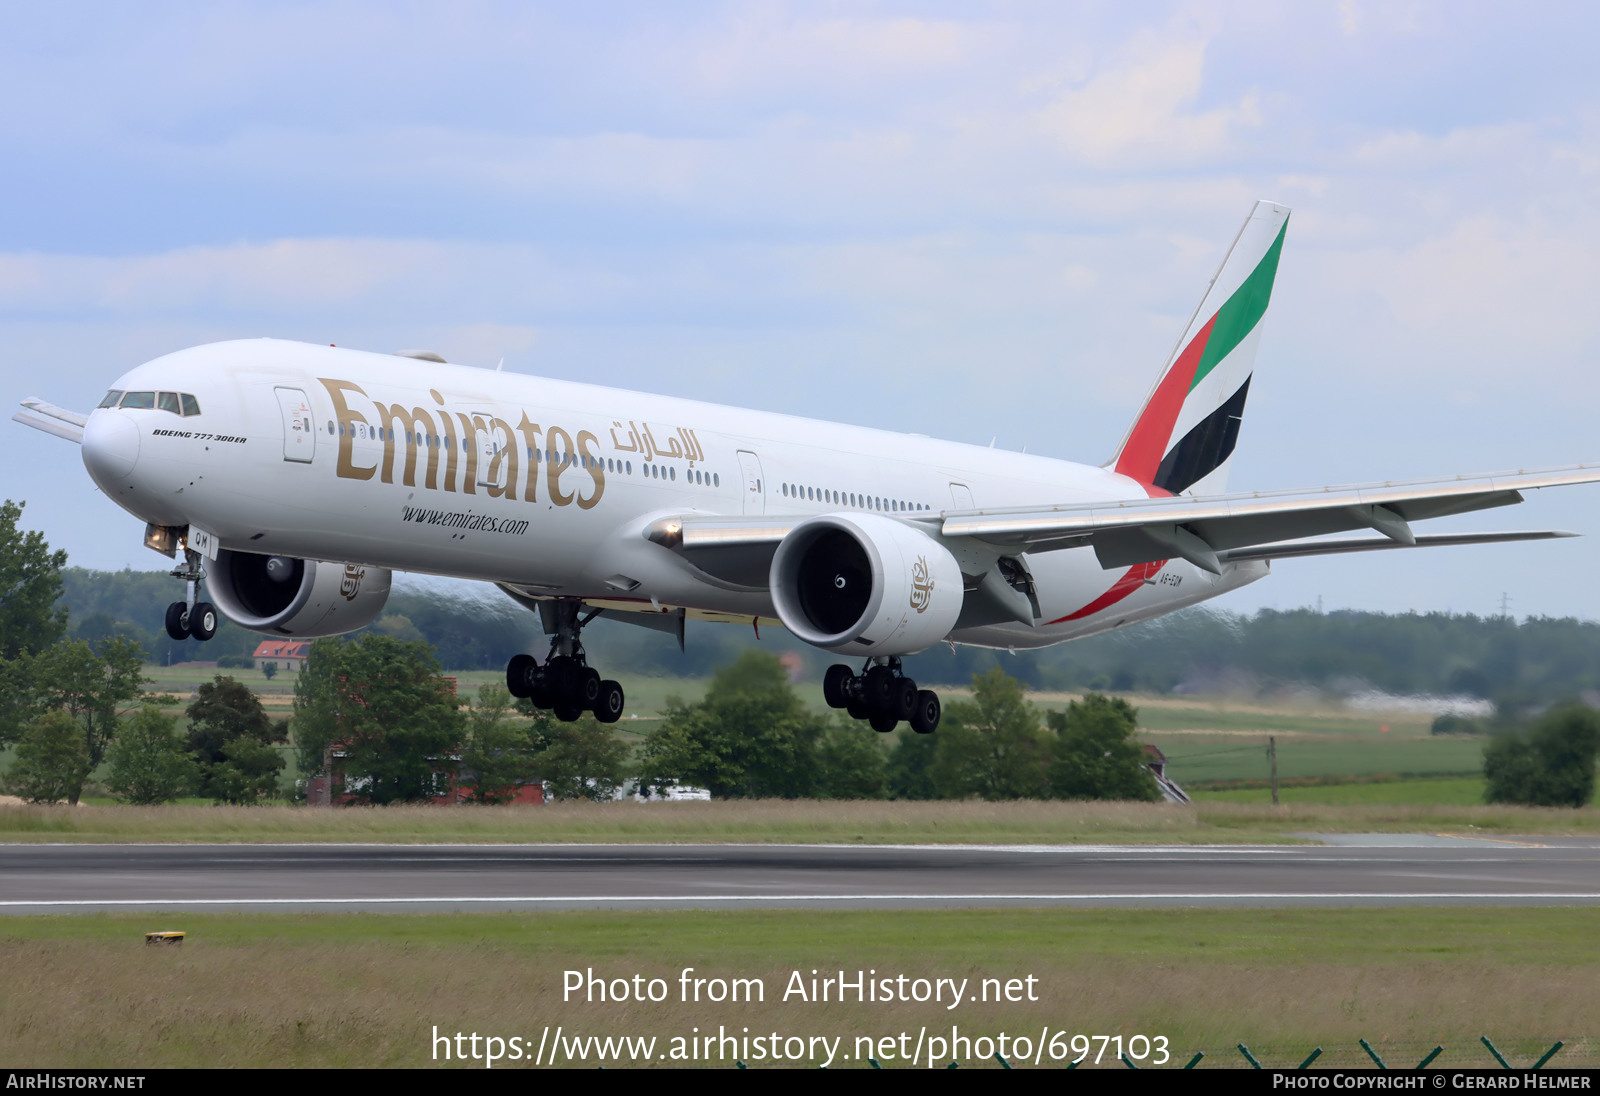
(1183, 439)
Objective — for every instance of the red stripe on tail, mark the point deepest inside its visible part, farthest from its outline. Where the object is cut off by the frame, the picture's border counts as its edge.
(1147, 441)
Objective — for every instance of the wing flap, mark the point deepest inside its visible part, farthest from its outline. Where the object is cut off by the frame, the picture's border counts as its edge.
(1378, 544)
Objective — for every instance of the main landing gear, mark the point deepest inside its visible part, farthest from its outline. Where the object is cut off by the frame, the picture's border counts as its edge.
(191, 618)
(566, 684)
(882, 695)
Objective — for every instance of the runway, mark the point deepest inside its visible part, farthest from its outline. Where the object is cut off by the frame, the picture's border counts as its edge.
(1373, 870)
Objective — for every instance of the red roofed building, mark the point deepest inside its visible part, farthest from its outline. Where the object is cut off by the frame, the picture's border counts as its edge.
(286, 654)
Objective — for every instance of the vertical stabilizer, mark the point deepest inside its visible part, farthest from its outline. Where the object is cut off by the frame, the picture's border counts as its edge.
(1184, 436)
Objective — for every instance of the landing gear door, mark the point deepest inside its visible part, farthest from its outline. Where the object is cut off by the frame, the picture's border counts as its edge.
(299, 439)
(754, 490)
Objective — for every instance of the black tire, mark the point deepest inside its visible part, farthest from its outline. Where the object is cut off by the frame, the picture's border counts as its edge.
(905, 698)
(203, 621)
(856, 710)
(925, 720)
(883, 722)
(560, 678)
(178, 620)
(568, 715)
(588, 687)
(877, 689)
(836, 685)
(540, 695)
(519, 675)
(608, 709)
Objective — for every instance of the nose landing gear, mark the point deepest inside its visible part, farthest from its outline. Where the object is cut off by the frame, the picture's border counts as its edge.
(882, 695)
(191, 618)
(566, 684)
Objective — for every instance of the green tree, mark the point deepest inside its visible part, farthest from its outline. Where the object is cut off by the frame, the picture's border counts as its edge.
(578, 760)
(148, 761)
(750, 737)
(232, 738)
(51, 763)
(909, 770)
(269, 669)
(991, 746)
(246, 772)
(850, 763)
(379, 711)
(1551, 764)
(1095, 754)
(30, 586)
(95, 685)
(497, 755)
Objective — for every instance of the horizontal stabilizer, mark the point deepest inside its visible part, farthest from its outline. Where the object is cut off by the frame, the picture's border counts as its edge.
(61, 428)
(50, 410)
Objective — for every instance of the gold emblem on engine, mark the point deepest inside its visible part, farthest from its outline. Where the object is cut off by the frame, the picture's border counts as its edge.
(350, 585)
(921, 585)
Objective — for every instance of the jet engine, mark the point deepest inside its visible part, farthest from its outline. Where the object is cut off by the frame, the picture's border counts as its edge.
(865, 584)
(296, 597)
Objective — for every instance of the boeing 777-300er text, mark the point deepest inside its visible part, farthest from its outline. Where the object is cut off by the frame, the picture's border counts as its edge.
(293, 479)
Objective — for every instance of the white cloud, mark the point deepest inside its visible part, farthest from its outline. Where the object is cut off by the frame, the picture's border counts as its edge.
(1142, 113)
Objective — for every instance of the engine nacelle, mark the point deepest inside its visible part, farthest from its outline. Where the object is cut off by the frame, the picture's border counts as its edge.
(296, 597)
(865, 584)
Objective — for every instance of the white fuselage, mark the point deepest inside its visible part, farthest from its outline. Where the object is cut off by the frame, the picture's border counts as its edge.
(549, 485)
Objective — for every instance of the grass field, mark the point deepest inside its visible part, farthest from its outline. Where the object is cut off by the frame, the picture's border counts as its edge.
(787, 821)
(1464, 791)
(349, 990)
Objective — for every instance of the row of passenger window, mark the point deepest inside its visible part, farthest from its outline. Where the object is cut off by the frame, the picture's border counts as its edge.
(179, 403)
(848, 498)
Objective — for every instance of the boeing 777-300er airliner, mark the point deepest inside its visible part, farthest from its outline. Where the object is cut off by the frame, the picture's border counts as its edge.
(293, 479)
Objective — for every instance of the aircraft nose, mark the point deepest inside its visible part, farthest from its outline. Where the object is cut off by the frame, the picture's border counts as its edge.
(110, 449)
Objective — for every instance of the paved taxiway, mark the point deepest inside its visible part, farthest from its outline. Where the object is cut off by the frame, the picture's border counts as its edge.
(1360, 870)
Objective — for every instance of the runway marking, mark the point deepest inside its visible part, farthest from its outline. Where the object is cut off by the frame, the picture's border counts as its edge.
(552, 899)
(1494, 840)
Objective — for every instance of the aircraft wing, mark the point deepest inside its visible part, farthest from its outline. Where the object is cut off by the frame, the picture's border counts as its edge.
(52, 419)
(1207, 532)
(1200, 529)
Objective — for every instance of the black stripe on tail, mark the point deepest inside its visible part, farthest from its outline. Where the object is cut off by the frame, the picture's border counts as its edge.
(1204, 448)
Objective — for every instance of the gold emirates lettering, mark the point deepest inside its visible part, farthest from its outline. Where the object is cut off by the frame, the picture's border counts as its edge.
(413, 436)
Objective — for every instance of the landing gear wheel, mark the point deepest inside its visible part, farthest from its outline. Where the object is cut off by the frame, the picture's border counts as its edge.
(589, 686)
(856, 710)
(203, 621)
(905, 699)
(925, 720)
(540, 695)
(608, 709)
(566, 714)
(178, 620)
(883, 722)
(877, 689)
(519, 675)
(560, 678)
(836, 685)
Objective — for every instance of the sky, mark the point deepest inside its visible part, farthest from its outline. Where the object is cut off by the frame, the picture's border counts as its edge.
(971, 220)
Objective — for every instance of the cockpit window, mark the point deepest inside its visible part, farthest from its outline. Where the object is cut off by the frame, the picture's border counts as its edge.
(139, 399)
(191, 406)
(111, 398)
(168, 401)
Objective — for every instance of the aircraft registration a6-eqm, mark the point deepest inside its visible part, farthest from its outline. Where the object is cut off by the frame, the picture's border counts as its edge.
(293, 479)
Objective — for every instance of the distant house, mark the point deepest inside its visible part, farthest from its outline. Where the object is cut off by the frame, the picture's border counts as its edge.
(286, 654)
(324, 789)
